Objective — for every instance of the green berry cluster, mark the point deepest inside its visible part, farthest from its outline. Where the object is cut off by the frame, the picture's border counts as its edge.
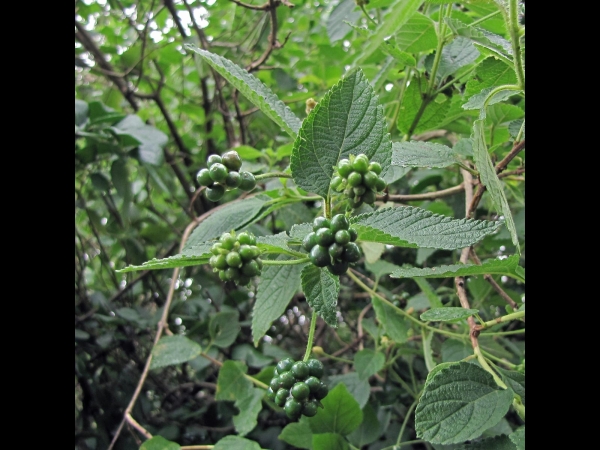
(331, 244)
(223, 173)
(297, 387)
(358, 179)
(236, 258)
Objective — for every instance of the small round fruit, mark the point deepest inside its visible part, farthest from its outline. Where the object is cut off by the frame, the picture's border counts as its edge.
(270, 394)
(361, 163)
(232, 273)
(227, 241)
(359, 190)
(281, 396)
(300, 370)
(218, 172)
(338, 267)
(214, 193)
(335, 250)
(339, 222)
(336, 182)
(251, 269)
(309, 241)
(248, 252)
(292, 408)
(218, 262)
(248, 182)
(204, 177)
(216, 248)
(353, 234)
(342, 237)
(381, 184)
(234, 259)
(233, 179)
(344, 167)
(284, 365)
(354, 179)
(324, 237)
(321, 222)
(322, 391)
(313, 383)
(375, 167)
(370, 179)
(223, 275)
(300, 391)
(315, 368)
(369, 197)
(351, 252)
(246, 238)
(287, 379)
(319, 256)
(275, 384)
(310, 408)
(232, 160)
(213, 159)
(243, 280)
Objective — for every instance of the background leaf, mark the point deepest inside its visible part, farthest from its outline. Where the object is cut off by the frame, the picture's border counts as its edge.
(368, 362)
(340, 413)
(172, 350)
(422, 154)
(159, 443)
(393, 322)
(321, 289)
(449, 313)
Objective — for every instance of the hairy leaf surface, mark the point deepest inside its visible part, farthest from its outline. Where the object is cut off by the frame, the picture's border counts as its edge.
(321, 289)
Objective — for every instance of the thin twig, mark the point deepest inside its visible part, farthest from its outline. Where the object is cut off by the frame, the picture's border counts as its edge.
(487, 277)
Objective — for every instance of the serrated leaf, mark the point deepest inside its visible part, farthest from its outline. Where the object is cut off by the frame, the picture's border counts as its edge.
(340, 414)
(490, 179)
(518, 438)
(169, 263)
(369, 430)
(429, 119)
(171, 350)
(417, 34)
(448, 313)
(491, 72)
(297, 434)
(368, 362)
(349, 120)
(497, 44)
(329, 441)
(360, 389)
(399, 13)
(159, 443)
(236, 443)
(432, 297)
(501, 442)
(232, 383)
(515, 380)
(224, 328)
(337, 26)
(502, 113)
(477, 101)
(381, 267)
(233, 216)
(151, 140)
(459, 53)
(454, 350)
(249, 407)
(459, 403)
(321, 289)
(408, 226)
(508, 266)
(276, 287)
(393, 322)
(299, 231)
(423, 154)
(276, 243)
(253, 89)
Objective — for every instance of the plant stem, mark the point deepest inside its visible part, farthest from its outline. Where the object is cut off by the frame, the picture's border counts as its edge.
(483, 19)
(272, 262)
(513, 28)
(503, 333)
(487, 368)
(438, 50)
(405, 421)
(506, 87)
(520, 408)
(508, 317)
(264, 176)
(499, 360)
(367, 14)
(311, 335)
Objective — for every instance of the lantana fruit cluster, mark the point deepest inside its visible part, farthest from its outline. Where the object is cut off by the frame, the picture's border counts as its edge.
(297, 387)
(331, 244)
(358, 179)
(236, 258)
(223, 173)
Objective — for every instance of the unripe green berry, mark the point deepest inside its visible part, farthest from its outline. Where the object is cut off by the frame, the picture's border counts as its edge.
(344, 167)
(284, 365)
(232, 160)
(281, 396)
(315, 368)
(287, 379)
(246, 238)
(213, 159)
(293, 408)
(339, 222)
(300, 370)
(361, 163)
(233, 179)
(234, 259)
(324, 237)
(214, 193)
(319, 256)
(309, 241)
(310, 408)
(321, 222)
(354, 179)
(204, 178)
(338, 267)
(248, 182)
(375, 167)
(218, 172)
(300, 391)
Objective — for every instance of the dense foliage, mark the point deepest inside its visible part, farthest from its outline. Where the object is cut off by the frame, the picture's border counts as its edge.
(299, 224)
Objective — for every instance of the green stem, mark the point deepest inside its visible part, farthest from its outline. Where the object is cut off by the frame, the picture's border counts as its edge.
(264, 176)
(289, 262)
(499, 360)
(311, 335)
(367, 14)
(521, 132)
(520, 408)
(438, 52)
(506, 87)
(405, 421)
(401, 311)
(487, 368)
(514, 31)
(483, 19)
(504, 333)
(507, 318)
(398, 379)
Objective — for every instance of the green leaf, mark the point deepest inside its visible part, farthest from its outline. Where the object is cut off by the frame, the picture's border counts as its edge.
(491, 72)
(171, 350)
(501, 442)
(151, 139)
(497, 44)
(518, 438)
(249, 407)
(236, 443)
(393, 322)
(459, 53)
(381, 267)
(427, 351)
(490, 179)
(81, 112)
(321, 289)
(454, 350)
(252, 357)
(515, 380)
(369, 430)
(459, 403)
(446, 314)
(159, 443)
(297, 434)
(233, 216)
(507, 266)
(343, 12)
(399, 13)
(232, 383)
(368, 362)
(433, 114)
(417, 34)
(224, 328)
(276, 287)
(329, 441)
(360, 389)
(408, 226)
(170, 262)
(340, 414)
(477, 101)
(349, 120)
(253, 89)
(423, 154)
(276, 243)
(502, 113)
(432, 297)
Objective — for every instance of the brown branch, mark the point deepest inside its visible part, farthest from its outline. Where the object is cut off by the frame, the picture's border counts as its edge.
(425, 196)
(273, 43)
(487, 277)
